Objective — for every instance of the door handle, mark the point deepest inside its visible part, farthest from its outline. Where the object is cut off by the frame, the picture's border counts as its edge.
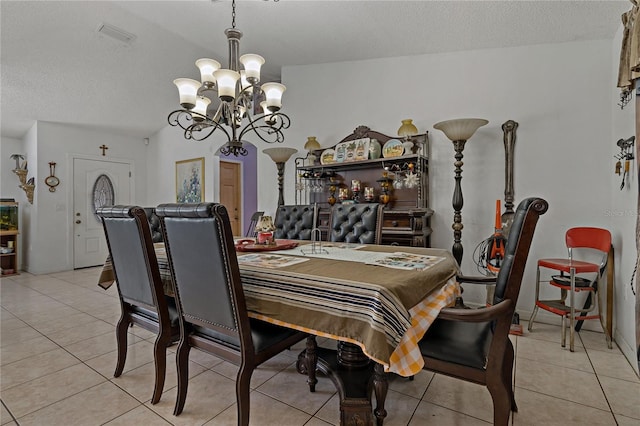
(78, 221)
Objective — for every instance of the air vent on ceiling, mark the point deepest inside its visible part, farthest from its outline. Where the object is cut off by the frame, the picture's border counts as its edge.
(116, 33)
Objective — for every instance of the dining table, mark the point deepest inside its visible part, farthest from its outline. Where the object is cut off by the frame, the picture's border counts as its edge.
(376, 301)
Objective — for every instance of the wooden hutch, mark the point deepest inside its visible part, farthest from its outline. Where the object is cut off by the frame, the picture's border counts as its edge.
(406, 217)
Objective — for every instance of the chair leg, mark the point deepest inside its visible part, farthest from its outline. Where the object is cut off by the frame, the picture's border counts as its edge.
(507, 374)
(182, 365)
(563, 331)
(535, 307)
(572, 301)
(242, 394)
(502, 401)
(533, 316)
(121, 339)
(160, 361)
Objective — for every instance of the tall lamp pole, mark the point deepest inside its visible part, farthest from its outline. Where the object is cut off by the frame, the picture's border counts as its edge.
(458, 131)
(280, 157)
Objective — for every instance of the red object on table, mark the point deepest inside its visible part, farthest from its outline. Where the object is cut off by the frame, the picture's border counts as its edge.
(250, 245)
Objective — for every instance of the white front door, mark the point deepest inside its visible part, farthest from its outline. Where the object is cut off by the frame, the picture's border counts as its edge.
(95, 183)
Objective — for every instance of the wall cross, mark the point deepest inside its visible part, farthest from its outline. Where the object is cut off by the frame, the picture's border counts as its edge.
(103, 147)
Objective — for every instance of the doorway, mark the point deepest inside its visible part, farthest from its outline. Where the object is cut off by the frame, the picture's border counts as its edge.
(231, 193)
(95, 183)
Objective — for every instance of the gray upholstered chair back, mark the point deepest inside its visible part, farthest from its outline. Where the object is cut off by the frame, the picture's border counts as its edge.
(128, 254)
(356, 223)
(295, 222)
(199, 244)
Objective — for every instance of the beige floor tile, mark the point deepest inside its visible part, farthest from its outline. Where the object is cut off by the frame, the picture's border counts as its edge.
(49, 326)
(201, 357)
(260, 375)
(555, 381)
(553, 353)
(12, 323)
(139, 416)
(626, 421)
(330, 412)
(400, 408)
(316, 422)
(33, 367)
(415, 388)
(263, 411)
(463, 397)
(431, 414)
(18, 335)
(94, 406)
(138, 354)
(612, 363)
(623, 396)
(31, 396)
(5, 416)
(208, 395)
(595, 340)
(26, 349)
(291, 387)
(548, 332)
(140, 381)
(537, 409)
(97, 345)
(82, 332)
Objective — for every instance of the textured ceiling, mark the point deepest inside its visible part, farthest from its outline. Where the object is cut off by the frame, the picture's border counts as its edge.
(56, 67)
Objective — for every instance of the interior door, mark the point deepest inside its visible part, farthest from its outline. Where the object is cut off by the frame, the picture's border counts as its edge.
(230, 193)
(95, 183)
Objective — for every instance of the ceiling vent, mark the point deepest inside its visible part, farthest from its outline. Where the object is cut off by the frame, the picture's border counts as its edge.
(116, 33)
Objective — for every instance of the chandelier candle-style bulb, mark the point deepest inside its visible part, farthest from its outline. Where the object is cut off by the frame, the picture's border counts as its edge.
(269, 118)
(207, 68)
(273, 93)
(200, 110)
(252, 64)
(227, 80)
(244, 83)
(188, 90)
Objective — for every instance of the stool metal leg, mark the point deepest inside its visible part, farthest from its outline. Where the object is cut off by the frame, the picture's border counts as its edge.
(535, 306)
(573, 309)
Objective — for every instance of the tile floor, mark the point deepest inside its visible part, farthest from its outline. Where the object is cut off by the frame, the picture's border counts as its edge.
(58, 353)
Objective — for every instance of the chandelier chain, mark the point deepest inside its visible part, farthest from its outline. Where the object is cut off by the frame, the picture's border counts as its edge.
(233, 13)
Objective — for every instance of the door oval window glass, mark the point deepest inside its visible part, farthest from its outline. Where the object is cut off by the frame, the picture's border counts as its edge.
(103, 193)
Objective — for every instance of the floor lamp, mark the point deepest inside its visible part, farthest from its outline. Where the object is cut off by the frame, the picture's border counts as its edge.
(458, 131)
(280, 156)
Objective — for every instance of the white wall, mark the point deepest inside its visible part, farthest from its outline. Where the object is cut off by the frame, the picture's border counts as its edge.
(622, 213)
(560, 94)
(48, 230)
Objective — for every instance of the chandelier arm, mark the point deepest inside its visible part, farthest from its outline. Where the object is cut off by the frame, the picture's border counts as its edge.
(273, 131)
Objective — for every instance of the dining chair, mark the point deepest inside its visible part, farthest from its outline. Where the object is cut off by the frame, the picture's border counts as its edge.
(295, 222)
(473, 344)
(356, 223)
(154, 224)
(577, 275)
(140, 288)
(210, 299)
(251, 230)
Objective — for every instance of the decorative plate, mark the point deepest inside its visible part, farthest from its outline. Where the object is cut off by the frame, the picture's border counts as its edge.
(392, 148)
(327, 156)
(250, 245)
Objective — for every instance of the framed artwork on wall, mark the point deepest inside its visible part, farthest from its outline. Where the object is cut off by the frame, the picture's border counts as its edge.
(190, 180)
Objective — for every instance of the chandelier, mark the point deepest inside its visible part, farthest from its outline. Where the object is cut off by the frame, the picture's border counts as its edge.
(244, 105)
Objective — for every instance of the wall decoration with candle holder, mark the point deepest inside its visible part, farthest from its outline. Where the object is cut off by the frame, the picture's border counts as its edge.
(406, 215)
(27, 185)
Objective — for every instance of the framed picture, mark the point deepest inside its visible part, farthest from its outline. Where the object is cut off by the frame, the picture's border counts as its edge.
(190, 180)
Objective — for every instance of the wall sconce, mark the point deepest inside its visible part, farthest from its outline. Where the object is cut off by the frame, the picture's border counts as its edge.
(21, 171)
(280, 156)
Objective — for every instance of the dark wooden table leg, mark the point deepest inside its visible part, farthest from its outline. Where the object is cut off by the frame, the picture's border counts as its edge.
(380, 387)
(312, 362)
